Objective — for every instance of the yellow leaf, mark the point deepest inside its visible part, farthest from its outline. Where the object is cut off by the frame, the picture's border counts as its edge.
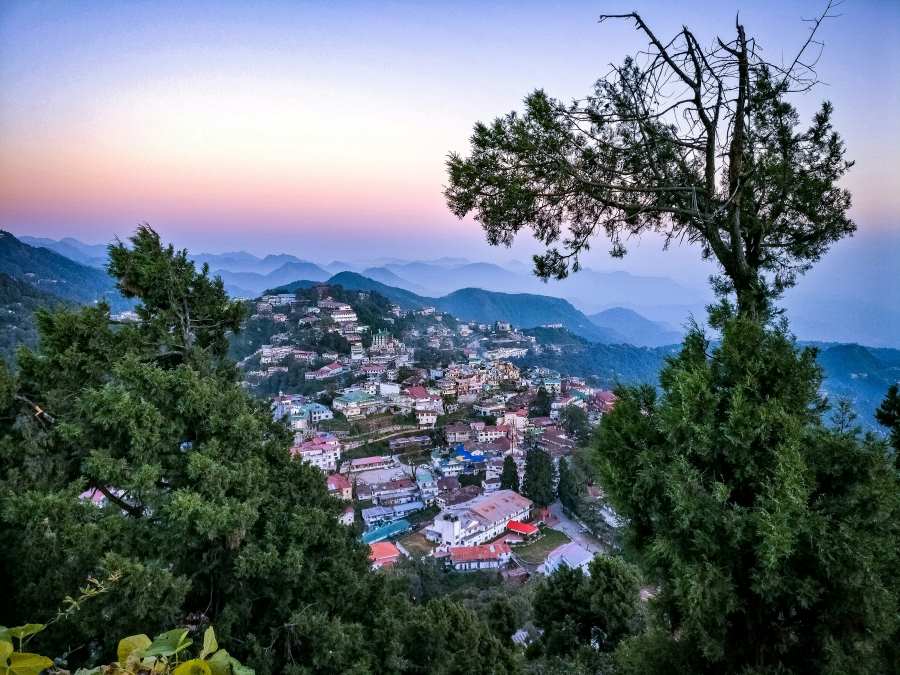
(23, 663)
(6, 649)
(193, 667)
(131, 644)
(209, 643)
(220, 663)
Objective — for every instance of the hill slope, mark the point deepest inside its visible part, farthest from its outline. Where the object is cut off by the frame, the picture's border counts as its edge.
(254, 283)
(18, 301)
(636, 329)
(523, 310)
(92, 255)
(56, 274)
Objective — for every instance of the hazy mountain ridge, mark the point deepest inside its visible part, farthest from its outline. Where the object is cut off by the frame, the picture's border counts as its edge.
(636, 329)
(56, 274)
(819, 309)
(92, 255)
(250, 284)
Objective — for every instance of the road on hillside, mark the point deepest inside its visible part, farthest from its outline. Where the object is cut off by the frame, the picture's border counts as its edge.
(575, 531)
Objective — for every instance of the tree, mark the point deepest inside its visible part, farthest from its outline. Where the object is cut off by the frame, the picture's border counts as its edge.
(753, 517)
(540, 406)
(575, 421)
(537, 483)
(888, 415)
(699, 143)
(202, 511)
(596, 611)
(567, 488)
(509, 477)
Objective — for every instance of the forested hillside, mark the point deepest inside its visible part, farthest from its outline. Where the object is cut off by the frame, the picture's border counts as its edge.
(18, 302)
(56, 274)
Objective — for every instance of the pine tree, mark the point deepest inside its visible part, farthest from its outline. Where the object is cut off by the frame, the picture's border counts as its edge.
(772, 537)
(567, 488)
(888, 415)
(693, 138)
(594, 611)
(575, 421)
(540, 406)
(509, 477)
(537, 484)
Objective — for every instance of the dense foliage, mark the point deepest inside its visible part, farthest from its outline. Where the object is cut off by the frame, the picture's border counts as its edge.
(593, 611)
(537, 483)
(888, 415)
(772, 537)
(509, 476)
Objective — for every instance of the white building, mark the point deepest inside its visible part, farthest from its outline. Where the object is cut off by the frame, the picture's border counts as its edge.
(479, 520)
(572, 555)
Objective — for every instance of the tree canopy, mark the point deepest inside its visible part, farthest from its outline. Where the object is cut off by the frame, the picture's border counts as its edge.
(772, 537)
(537, 483)
(699, 143)
(509, 477)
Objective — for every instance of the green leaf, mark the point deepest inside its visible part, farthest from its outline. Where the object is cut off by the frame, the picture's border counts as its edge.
(169, 643)
(209, 643)
(132, 644)
(220, 663)
(238, 669)
(21, 632)
(6, 649)
(193, 667)
(23, 663)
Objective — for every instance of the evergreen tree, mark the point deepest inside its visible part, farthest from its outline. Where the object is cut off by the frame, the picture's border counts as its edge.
(888, 415)
(594, 611)
(575, 421)
(567, 487)
(693, 138)
(540, 406)
(537, 484)
(772, 537)
(509, 477)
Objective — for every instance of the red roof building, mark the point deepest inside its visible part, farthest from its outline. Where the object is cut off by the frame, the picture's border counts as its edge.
(339, 486)
(525, 529)
(486, 556)
(383, 554)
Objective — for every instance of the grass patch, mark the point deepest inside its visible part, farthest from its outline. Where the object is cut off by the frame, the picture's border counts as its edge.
(416, 544)
(535, 552)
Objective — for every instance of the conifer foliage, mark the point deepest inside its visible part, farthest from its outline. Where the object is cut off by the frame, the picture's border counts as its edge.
(772, 537)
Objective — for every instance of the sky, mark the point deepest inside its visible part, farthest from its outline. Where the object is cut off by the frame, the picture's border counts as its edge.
(321, 129)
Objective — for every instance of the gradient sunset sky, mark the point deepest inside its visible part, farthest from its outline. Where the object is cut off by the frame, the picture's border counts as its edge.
(321, 129)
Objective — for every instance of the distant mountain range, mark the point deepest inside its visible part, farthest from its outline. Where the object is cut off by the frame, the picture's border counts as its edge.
(56, 274)
(92, 255)
(823, 307)
(251, 284)
(523, 310)
(33, 276)
(636, 329)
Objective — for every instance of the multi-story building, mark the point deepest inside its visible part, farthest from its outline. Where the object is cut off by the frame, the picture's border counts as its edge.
(322, 451)
(479, 520)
